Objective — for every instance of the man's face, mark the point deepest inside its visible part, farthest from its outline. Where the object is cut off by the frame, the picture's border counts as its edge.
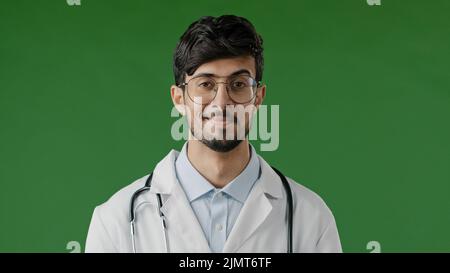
(221, 122)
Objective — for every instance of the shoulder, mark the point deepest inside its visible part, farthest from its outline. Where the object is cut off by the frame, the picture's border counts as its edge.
(117, 208)
(306, 196)
(118, 204)
(110, 220)
(306, 202)
(308, 205)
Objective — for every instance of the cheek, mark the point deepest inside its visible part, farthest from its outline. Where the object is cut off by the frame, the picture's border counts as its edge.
(194, 112)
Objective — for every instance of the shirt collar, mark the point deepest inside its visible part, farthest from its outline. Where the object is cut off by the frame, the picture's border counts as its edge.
(195, 185)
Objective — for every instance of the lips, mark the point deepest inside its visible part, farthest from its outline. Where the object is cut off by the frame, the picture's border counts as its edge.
(218, 122)
(219, 118)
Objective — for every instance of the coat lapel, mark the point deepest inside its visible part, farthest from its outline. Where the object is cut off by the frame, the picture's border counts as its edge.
(252, 215)
(183, 224)
(256, 208)
(184, 231)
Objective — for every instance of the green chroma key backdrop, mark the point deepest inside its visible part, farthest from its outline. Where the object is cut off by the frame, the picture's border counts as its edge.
(364, 106)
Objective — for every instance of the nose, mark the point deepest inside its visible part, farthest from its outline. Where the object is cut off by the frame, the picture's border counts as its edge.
(222, 99)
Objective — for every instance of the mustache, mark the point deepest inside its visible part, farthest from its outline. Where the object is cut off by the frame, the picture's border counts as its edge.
(228, 115)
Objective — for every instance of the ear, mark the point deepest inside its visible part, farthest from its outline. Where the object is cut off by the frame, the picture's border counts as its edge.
(178, 99)
(260, 94)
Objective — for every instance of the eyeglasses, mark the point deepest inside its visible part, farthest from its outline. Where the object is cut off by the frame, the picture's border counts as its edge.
(240, 88)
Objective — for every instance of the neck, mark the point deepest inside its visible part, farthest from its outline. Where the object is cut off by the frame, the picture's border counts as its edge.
(217, 167)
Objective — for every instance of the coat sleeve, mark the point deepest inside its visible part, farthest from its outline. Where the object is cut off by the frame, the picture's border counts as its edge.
(329, 240)
(98, 238)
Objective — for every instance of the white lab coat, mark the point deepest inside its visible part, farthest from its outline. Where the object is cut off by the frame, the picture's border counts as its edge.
(260, 227)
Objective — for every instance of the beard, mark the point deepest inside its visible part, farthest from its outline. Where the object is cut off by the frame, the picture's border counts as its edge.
(222, 145)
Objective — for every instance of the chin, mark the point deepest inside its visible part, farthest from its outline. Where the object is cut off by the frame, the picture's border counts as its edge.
(221, 146)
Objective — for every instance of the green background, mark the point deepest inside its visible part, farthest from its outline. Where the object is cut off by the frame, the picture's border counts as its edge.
(364, 110)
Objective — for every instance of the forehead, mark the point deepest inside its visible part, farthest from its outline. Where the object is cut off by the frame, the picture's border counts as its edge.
(226, 67)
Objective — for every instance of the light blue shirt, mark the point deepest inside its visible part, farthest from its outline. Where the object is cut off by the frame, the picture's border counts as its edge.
(216, 209)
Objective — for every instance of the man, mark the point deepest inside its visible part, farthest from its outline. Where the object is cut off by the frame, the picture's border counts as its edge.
(216, 194)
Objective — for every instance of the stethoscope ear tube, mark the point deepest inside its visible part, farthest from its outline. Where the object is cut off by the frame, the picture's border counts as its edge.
(289, 208)
(148, 184)
(132, 212)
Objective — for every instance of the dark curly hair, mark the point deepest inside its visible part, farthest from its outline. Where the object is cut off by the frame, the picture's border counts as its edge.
(211, 38)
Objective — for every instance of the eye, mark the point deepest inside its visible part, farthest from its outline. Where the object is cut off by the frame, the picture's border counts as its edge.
(238, 84)
(206, 84)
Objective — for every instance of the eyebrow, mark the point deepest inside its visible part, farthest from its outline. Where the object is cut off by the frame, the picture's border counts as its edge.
(238, 72)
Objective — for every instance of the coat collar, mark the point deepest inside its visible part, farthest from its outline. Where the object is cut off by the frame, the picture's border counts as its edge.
(164, 176)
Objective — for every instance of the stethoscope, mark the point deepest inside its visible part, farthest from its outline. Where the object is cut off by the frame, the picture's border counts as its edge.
(148, 184)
